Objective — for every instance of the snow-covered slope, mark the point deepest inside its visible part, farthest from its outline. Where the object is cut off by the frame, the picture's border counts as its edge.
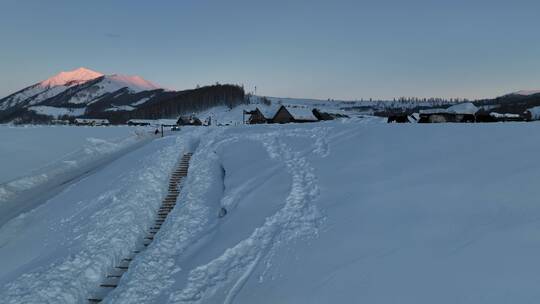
(38, 160)
(110, 84)
(527, 92)
(335, 212)
(48, 88)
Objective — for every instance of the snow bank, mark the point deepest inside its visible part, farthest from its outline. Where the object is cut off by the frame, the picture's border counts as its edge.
(37, 159)
(66, 246)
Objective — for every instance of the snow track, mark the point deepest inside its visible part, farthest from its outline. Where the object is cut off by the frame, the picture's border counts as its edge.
(194, 225)
(115, 274)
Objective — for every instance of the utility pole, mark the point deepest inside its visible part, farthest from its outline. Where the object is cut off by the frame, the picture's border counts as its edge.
(161, 130)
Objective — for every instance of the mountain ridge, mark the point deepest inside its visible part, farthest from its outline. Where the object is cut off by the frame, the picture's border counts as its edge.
(86, 93)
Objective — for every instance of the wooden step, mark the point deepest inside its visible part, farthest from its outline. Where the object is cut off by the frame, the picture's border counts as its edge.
(121, 267)
(114, 276)
(176, 180)
(108, 285)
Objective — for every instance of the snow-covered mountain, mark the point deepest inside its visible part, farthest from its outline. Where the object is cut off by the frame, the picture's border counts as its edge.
(48, 88)
(87, 93)
(86, 85)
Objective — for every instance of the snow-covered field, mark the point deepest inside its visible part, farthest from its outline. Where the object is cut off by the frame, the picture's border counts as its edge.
(336, 212)
(35, 159)
(28, 148)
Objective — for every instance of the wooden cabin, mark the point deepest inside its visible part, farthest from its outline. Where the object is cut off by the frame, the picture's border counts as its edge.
(256, 117)
(188, 121)
(298, 115)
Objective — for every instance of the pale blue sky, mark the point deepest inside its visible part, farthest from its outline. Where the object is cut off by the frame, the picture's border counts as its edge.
(322, 49)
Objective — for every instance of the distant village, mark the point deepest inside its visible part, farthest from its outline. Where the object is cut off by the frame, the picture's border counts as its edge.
(258, 115)
(463, 113)
(459, 113)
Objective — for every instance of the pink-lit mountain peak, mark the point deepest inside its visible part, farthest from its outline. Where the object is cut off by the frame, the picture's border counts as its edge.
(68, 78)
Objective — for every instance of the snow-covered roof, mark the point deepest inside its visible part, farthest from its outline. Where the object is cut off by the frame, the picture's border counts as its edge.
(301, 113)
(267, 111)
(462, 108)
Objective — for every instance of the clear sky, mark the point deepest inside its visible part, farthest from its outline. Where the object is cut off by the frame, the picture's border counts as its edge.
(320, 49)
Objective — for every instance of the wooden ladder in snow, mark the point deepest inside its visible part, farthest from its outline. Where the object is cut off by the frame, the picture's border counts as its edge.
(175, 185)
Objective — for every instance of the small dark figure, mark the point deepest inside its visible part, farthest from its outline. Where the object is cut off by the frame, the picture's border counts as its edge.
(156, 132)
(222, 212)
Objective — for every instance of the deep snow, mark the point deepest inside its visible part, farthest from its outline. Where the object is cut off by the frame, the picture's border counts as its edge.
(65, 246)
(39, 161)
(336, 212)
(28, 148)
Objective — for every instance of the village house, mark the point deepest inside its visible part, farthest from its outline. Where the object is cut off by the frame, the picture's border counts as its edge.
(188, 121)
(289, 114)
(261, 115)
(256, 117)
(464, 112)
(293, 114)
